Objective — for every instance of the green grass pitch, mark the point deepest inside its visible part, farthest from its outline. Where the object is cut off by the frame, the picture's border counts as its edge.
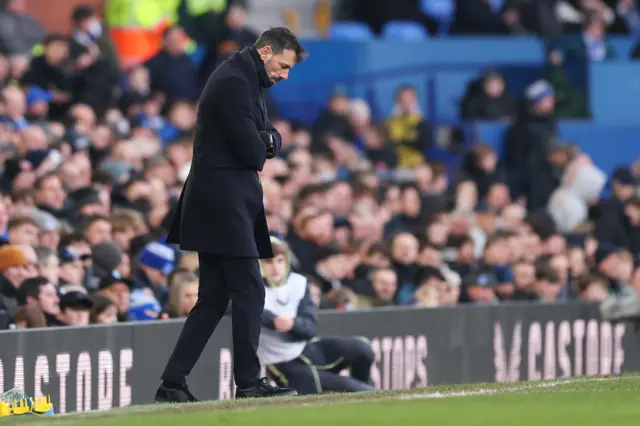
(565, 402)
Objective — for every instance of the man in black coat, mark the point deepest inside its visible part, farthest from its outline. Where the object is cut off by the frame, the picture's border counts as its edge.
(221, 215)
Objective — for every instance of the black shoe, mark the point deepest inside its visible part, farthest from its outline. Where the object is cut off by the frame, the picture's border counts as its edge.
(263, 389)
(178, 394)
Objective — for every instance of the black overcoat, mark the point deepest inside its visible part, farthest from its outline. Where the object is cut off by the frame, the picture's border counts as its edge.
(221, 209)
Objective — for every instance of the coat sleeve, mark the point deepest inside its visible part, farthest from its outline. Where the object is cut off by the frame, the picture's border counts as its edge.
(232, 103)
(304, 324)
(276, 137)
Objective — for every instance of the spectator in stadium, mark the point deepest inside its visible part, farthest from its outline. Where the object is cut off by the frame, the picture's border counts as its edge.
(97, 229)
(479, 288)
(106, 257)
(183, 294)
(48, 264)
(23, 230)
(155, 264)
(547, 286)
(231, 34)
(607, 262)
(529, 139)
(170, 62)
(487, 98)
(104, 311)
(13, 270)
(333, 120)
(88, 29)
(75, 308)
(383, 284)
(117, 289)
(288, 343)
(41, 293)
(404, 257)
(29, 316)
(48, 73)
(574, 13)
(571, 102)
(621, 230)
(590, 44)
(485, 17)
(19, 32)
(72, 270)
(408, 129)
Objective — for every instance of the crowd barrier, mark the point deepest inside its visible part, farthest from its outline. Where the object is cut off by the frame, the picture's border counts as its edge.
(102, 367)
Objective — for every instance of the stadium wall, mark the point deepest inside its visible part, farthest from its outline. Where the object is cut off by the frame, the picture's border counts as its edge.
(101, 367)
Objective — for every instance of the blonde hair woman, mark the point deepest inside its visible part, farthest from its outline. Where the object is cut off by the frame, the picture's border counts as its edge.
(183, 294)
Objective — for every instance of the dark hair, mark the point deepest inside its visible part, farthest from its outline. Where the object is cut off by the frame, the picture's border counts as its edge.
(280, 39)
(21, 221)
(30, 288)
(100, 304)
(81, 12)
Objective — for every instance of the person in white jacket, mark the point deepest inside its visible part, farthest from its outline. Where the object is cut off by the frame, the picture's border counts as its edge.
(289, 348)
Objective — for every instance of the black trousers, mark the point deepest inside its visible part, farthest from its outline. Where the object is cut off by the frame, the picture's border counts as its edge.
(317, 370)
(223, 279)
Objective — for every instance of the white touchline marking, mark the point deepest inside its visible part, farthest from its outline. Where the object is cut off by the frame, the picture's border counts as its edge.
(517, 387)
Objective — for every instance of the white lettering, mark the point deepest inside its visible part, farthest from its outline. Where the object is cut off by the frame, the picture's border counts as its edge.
(564, 339)
(410, 361)
(606, 348)
(578, 339)
(592, 348)
(105, 380)
(83, 382)
(397, 366)
(126, 363)
(375, 371)
(1, 377)
(226, 373)
(387, 344)
(422, 351)
(18, 376)
(618, 335)
(63, 367)
(535, 349)
(41, 374)
(550, 351)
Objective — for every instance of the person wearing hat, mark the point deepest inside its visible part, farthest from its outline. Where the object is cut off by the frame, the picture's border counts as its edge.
(75, 308)
(118, 289)
(154, 265)
(37, 104)
(487, 98)
(107, 257)
(13, 270)
(528, 139)
(295, 357)
(71, 268)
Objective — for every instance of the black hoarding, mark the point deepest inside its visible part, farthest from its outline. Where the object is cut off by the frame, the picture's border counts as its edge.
(103, 367)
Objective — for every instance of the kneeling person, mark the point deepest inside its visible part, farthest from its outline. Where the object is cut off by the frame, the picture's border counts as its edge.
(289, 348)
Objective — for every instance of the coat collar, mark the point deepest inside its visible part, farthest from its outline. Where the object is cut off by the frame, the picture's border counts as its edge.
(250, 56)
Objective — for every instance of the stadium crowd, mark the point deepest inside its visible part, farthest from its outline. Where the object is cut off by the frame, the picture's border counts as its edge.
(93, 160)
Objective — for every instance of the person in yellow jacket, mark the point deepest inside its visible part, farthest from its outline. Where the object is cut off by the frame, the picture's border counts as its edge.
(136, 27)
(408, 130)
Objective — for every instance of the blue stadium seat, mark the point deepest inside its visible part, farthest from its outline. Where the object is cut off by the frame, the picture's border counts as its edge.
(404, 30)
(442, 11)
(350, 30)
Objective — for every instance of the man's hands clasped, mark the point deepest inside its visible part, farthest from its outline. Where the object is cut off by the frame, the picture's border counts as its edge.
(270, 143)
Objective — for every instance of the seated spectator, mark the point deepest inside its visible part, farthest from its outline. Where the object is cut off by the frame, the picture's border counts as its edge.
(144, 306)
(330, 270)
(117, 289)
(432, 290)
(106, 257)
(48, 264)
(104, 311)
(72, 270)
(15, 109)
(155, 263)
(487, 98)
(41, 293)
(383, 284)
(29, 316)
(170, 62)
(524, 276)
(404, 260)
(13, 270)
(479, 288)
(87, 29)
(547, 286)
(408, 129)
(333, 120)
(23, 230)
(592, 288)
(97, 229)
(75, 308)
(183, 294)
